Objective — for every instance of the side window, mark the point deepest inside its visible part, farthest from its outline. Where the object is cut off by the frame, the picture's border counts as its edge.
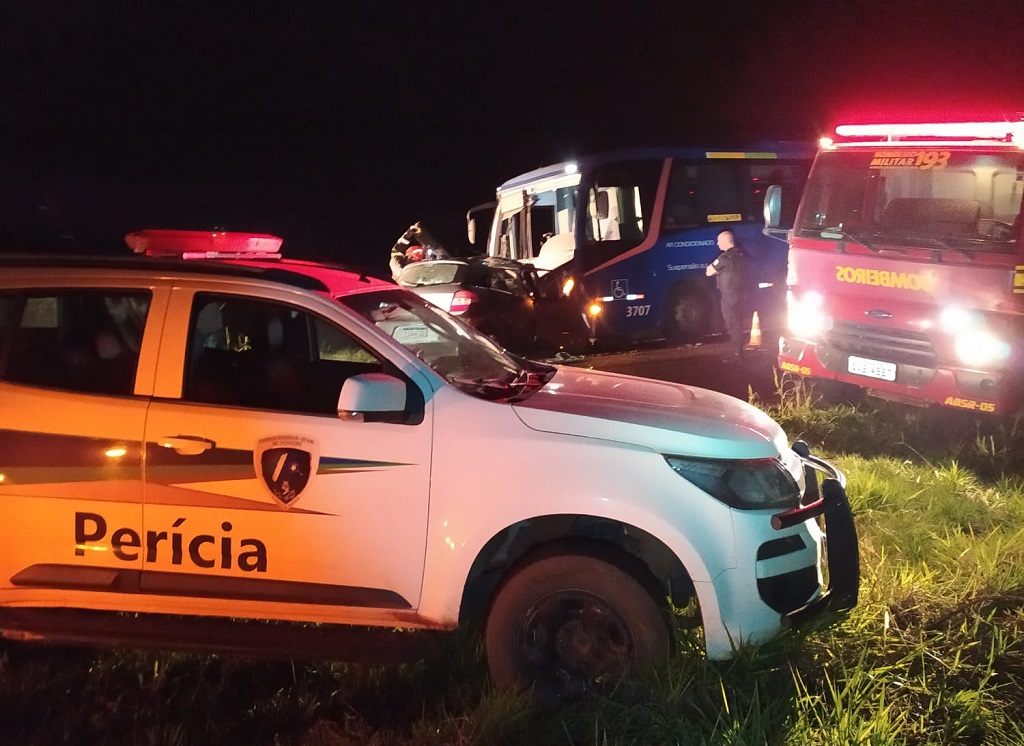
(510, 238)
(681, 207)
(264, 355)
(704, 193)
(78, 340)
(719, 193)
(620, 200)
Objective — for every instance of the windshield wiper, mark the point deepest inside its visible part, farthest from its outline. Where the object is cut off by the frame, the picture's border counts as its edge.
(525, 381)
(938, 243)
(848, 235)
(491, 388)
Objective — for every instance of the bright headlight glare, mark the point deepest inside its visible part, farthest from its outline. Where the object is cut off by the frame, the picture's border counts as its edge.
(980, 348)
(954, 320)
(746, 484)
(811, 300)
(805, 315)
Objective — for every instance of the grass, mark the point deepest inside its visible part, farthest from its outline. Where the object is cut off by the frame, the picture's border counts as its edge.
(933, 653)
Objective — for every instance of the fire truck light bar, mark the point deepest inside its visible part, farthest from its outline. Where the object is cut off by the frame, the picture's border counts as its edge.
(1007, 131)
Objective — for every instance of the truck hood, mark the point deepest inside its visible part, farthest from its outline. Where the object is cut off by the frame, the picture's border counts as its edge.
(665, 417)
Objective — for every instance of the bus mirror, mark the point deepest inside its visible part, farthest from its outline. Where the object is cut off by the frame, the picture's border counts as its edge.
(471, 221)
(773, 206)
(602, 205)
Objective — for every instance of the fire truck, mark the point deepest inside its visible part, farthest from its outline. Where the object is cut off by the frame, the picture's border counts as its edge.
(906, 265)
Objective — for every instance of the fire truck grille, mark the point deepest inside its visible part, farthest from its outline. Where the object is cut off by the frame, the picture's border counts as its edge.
(894, 345)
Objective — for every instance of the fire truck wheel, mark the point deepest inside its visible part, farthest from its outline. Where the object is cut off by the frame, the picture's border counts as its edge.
(564, 621)
(687, 314)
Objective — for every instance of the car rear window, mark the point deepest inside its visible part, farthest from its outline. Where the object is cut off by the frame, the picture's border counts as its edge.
(432, 273)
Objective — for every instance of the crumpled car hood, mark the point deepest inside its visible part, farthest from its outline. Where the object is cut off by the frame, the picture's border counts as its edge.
(665, 417)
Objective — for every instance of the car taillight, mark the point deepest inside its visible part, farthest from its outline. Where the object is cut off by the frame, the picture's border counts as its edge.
(462, 300)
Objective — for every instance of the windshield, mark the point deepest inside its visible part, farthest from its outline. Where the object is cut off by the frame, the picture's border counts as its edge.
(458, 352)
(967, 199)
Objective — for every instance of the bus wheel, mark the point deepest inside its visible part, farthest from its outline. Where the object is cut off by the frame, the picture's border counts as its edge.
(565, 621)
(687, 315)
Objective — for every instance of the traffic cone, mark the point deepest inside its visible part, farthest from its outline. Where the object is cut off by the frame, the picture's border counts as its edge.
(755, 332)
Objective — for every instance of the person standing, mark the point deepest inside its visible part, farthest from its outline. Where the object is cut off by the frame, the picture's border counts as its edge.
(731, 273)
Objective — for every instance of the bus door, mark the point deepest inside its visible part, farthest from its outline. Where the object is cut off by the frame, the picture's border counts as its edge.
(617, 230)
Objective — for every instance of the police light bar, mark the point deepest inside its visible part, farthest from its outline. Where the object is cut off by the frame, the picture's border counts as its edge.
(204, 244)
(1005, 131)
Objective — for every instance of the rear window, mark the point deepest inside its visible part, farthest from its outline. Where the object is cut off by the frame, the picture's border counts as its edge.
(79, 340)
(432, 273)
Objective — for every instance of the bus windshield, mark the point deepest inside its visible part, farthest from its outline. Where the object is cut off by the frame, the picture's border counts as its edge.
(964, 199)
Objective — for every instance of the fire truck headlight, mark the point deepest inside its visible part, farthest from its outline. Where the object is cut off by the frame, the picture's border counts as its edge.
(976, 347)
(806, 317)
(954, 320)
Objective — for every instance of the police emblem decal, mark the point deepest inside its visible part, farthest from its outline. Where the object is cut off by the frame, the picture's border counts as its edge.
(285, 464)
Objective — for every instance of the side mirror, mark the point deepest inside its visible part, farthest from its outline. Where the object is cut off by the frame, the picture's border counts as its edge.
(370, 392)
(773, 206)
(471, 221)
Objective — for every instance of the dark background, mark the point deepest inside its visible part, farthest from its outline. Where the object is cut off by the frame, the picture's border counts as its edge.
(337, 124)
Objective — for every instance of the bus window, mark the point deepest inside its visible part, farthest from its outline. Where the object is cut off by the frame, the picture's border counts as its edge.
(509, 237)
(681, 206)
(523, 230)
(703, 194)
(552, 213)
(719, 193)
(620, 200)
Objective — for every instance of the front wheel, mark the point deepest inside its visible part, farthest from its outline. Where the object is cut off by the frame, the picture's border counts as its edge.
(565, 621)
(687, 314)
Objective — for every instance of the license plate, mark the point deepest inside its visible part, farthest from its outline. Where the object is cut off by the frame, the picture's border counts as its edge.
(862, 366)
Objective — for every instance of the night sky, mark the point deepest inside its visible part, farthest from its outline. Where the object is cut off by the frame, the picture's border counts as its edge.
(336, 124)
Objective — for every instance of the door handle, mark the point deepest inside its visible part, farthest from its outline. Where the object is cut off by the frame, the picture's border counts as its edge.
(187, 445)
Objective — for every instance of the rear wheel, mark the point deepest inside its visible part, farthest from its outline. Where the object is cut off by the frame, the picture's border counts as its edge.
(562, 622)
(687, 314)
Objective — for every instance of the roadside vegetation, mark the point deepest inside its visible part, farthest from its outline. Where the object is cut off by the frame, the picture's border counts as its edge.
(933, 653)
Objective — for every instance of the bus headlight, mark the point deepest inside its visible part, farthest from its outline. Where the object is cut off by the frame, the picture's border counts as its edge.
(980, 347)
(806, 316)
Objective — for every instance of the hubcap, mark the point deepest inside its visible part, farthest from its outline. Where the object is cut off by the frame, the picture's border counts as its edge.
(575, 635)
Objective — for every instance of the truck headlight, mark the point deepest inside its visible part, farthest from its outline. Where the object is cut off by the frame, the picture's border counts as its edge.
(747, 484)
(953, 320)
(806, 317)
(980, 347)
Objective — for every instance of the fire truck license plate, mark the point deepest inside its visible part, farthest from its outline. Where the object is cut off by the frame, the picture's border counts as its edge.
(862, 366)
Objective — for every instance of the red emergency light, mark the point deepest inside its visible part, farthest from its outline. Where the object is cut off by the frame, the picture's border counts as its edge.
(204, 244)
(1006, 131)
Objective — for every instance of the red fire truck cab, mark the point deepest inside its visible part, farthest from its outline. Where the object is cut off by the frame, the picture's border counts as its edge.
(906, 265)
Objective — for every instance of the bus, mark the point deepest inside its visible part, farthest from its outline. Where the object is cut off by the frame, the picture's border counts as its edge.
(907, 266)
(626, 235)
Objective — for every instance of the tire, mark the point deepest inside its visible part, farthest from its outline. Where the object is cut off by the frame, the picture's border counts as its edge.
(687, 314)
(562, 622)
